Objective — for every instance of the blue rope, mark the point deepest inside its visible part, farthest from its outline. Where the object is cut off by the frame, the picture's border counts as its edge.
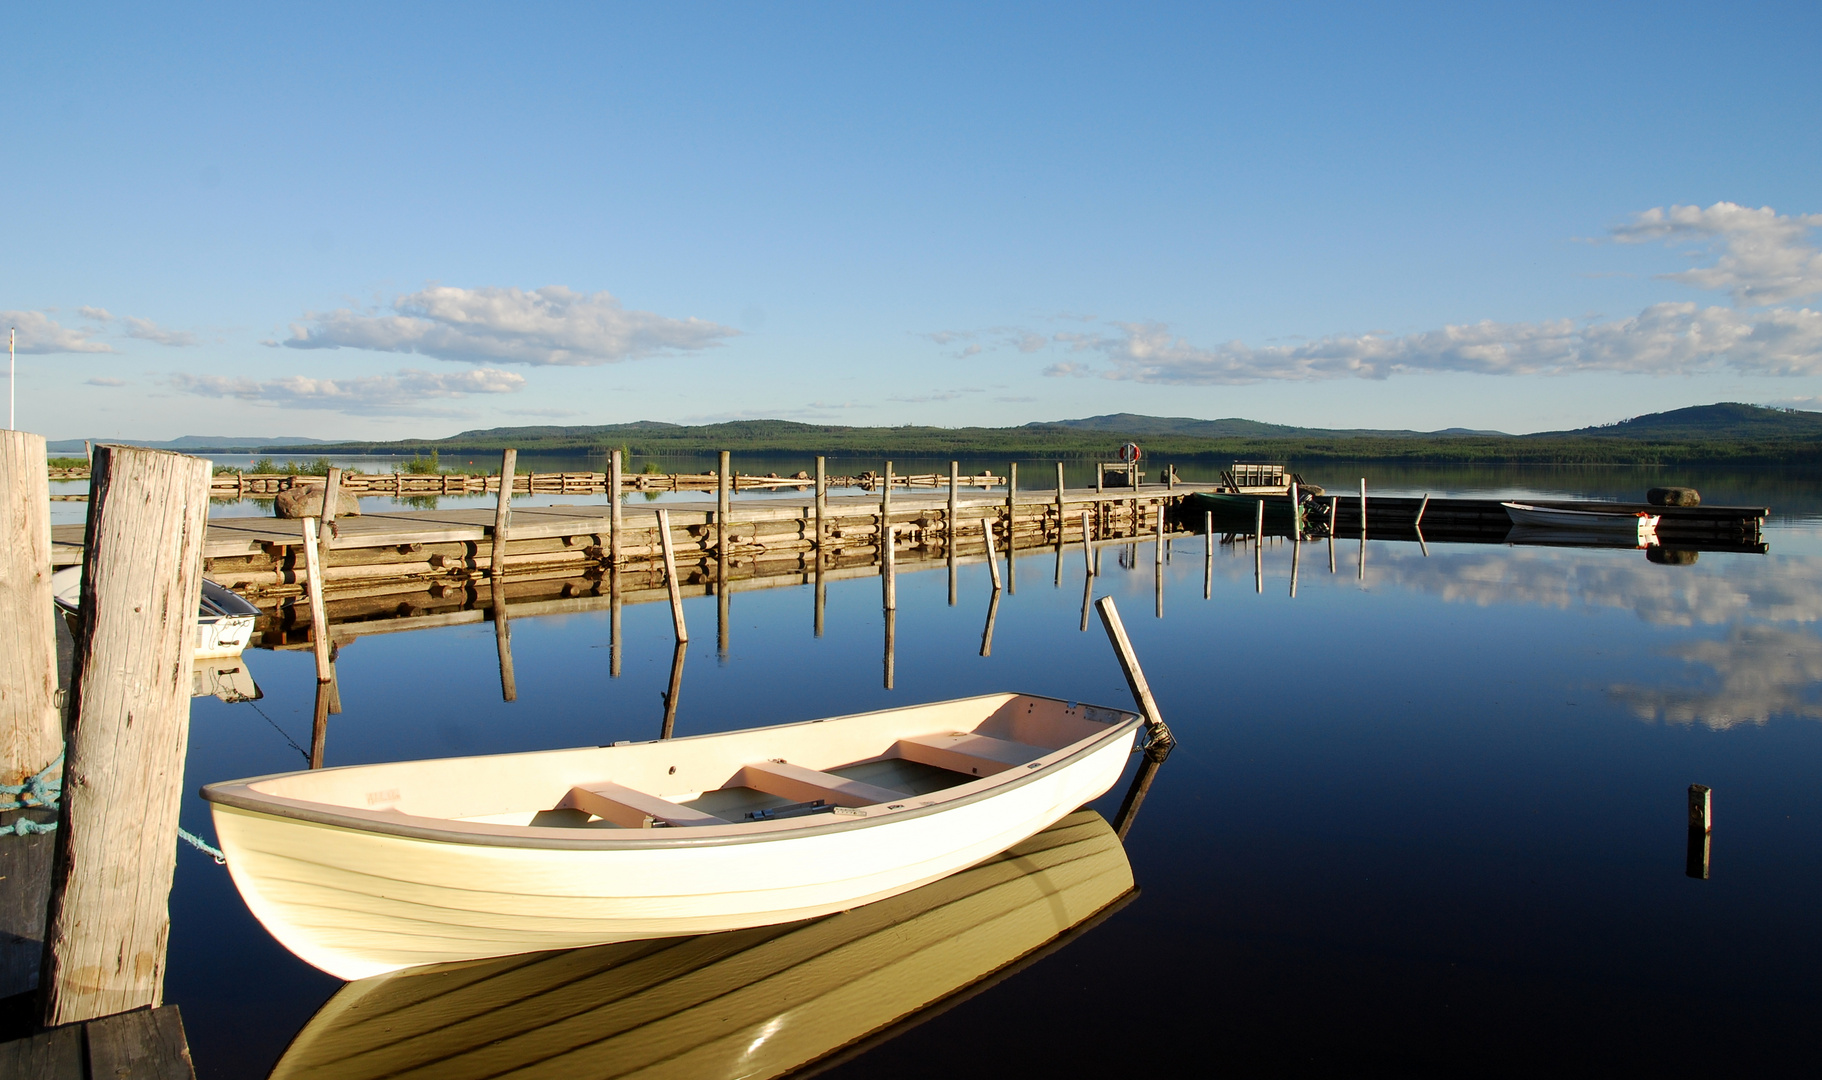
(37, 792)
(197, 843)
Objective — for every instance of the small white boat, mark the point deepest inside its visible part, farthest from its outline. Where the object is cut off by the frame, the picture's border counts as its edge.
(1639, 527)
(755, 1003)
(371, 868)
(224, 619)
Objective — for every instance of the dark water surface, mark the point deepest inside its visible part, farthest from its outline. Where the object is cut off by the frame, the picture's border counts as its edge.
(1429, 821)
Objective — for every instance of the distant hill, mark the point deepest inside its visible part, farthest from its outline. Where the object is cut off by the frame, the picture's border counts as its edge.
(192, 442)
(1710, 434)
(1725, 420)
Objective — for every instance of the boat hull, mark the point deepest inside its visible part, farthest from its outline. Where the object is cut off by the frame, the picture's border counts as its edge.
(358, 903)
(1639, 529)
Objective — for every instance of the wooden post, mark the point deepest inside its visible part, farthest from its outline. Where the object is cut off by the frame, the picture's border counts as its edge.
(1296, 513)
(1296, 550)
(1170, 478)
(1259, 548)
(1100, 477)
(676, 687)
(1421, 507)
(822, 596)
(319, 615)
(822, 506)
(1363, 510)
(1701, 821)
(31, 733)
(614, 604)
(950, 525)
(670, 575)
(616, 513)
(1087, 600)
(1061, 520)
(1087, 546)
(1135, 675)
(1701, 808)
(1208, 555)
(502, 514)
(1160, 551)
(885, 498)
(993, 558)
(332, 496)
(1012, 502)
(889, 567)
(109, 921)
(723, 506)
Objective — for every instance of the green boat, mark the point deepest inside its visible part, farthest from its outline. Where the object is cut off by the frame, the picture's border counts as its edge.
(1242, 510)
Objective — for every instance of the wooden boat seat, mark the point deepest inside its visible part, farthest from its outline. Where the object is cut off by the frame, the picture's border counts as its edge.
(799, 784)
(962, 752)
(632, 809)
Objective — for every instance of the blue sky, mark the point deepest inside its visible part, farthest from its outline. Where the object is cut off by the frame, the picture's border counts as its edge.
(390, 220)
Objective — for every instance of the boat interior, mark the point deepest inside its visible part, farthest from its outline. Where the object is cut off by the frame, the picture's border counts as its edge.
(752, 778)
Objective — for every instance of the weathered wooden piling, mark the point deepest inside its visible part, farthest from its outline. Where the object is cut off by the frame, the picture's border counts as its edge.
(1159, 731)
(1208, 554)
(675, 688)
(949, 526)
(670, 576)
(822, 506)
(319, 724)
(319, 613)
(129, 712)
(1699, 848)
(888, 542)
(1087, 546)
(1160, 545)
(1701, 807)
(616, 512)
(31, 734)
(1259, 549)
(993, 558)
(993, 610)
(502, 515)
(891, 654)
(502, 640)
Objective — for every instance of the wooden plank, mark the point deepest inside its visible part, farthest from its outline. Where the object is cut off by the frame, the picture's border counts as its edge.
(632, 809)
(145, 1044)
(50, 1055)
(31, 734)
(963, 752)
(130, 717)
(800, 784)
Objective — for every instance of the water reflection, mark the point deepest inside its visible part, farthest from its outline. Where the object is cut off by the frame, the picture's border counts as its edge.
(1758, 672)
(747, 1003)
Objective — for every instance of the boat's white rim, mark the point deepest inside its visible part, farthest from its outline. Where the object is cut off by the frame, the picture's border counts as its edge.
(239, 795)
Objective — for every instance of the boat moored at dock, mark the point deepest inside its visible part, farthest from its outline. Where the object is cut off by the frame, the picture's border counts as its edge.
(1637, 526)
(366, 869)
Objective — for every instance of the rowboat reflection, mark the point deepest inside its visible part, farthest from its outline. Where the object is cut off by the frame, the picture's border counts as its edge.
(748, 1003)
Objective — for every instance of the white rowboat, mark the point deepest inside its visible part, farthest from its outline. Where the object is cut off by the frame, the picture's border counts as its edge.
(371, 868)
(224, 619)
(1639, 527)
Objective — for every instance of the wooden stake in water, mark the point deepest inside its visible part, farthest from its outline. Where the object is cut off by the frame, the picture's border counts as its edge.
(319, 616)
(993, 558)
(1421, 507)
(1087, 546)
(1701, 821)
(993, 609)
(1100, 477)
(889, 566)
(1363, 528)
(332, 498)
(1160, 544)
(1296, 513)
(1334, 523)
(1259, 548)
(614, 604)
(319, 724)
(129, 709)
(1135, 676)
(950, 525)
(822, 507)
(1208, 555)
(502, 514)
(670, 575)
(502, 638)
(1296, 550)
(891, 642)
(616, 513)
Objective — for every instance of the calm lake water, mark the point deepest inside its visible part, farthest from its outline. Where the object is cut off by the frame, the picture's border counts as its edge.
(1430, 820)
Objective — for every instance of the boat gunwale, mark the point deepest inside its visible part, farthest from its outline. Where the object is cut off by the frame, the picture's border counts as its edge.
(237, 794)
(1545, 511)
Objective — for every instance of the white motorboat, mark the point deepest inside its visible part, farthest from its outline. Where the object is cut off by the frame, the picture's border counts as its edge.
(366, 869)
(224, 619)
(1639, 527)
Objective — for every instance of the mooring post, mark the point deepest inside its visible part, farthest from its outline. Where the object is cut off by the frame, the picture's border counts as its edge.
(1421, 507)
(1296, 551)
(1087, 547)
(1363, 529)
(1061, 520)
(1701, 808)
(616, 513)
(502, 514)
(822, 505)
(822, 596)
(129, 708)
(676, 687)
(614, 603)
(889, 566)
(31, 733)
(993, 558)
(1296, 513)
(1259, 548)
(313, 581)
(949, 523)
(1160, 551)
(723, 507)
(1100, 477)
(332, 495)
(1012, 505)
(1161, 738)
(1208, 554)
(670, 575)
(319, 724)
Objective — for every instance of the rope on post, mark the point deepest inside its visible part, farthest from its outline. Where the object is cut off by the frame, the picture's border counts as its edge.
(197, 842)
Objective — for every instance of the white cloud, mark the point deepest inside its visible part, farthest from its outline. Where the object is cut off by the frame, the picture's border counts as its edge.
(98, 381)
(147, 330)
(1765, 257)
(548, 326)
(40, 334)
(1758, 672)
(95, 314)
(406, 393)
(1664, 339)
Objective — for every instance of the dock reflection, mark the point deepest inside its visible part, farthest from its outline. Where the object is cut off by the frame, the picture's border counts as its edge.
(764, 1002)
